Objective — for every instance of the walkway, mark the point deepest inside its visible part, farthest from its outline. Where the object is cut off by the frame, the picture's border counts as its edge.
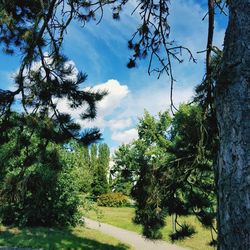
(131, 238)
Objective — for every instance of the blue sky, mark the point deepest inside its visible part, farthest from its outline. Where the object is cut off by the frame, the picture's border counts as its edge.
(101, 51)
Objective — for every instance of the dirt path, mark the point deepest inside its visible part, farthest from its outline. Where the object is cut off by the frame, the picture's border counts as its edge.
(131, 238)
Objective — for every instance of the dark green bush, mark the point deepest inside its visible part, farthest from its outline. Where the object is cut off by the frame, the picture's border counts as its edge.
(114, 199)
(44, 194)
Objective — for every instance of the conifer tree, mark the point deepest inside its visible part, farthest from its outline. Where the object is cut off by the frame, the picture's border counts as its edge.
(44, 79)
(100, 170)
(103, 164)
(45, 75)
(37, 185)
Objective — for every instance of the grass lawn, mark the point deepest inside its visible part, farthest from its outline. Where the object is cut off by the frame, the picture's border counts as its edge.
(122, 217)
(51, 238)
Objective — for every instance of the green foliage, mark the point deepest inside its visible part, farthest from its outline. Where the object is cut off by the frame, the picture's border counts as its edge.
(186, 230)
(42, 173)
(124, 172)
(100, 167)
(174, 161)
(37, 186)
(193, 162)
(114, 199)
(44, 195)
(77, 158)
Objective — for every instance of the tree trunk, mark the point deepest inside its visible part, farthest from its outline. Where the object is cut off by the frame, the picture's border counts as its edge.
(233, 114)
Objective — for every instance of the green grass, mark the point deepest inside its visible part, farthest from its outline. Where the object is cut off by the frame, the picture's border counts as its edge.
(122, 217)
(51, 238)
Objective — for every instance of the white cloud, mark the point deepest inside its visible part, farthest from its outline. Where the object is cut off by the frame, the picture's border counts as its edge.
(154, 98)
(7, 80)
(126, 136)
(118, 124)
(116, 93)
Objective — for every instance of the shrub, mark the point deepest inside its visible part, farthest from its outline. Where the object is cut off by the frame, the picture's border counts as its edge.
(44, 195)
(114, 199)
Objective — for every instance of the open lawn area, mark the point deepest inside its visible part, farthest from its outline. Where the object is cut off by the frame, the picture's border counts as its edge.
(122, 217)
(51, 238)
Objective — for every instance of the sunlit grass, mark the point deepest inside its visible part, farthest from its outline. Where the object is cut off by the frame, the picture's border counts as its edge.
(52, 238)
(122, 217)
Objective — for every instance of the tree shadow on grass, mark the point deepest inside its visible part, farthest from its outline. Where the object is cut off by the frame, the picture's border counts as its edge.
(47, 238)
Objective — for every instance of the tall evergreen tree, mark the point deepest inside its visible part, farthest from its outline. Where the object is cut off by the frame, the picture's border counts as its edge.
(86, 156)
(77, 157)
(93, 155)
(100, 161)
(103, 165)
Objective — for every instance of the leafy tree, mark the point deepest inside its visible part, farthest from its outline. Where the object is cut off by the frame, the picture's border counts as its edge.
(124, 172)
(127, 158)
(93, 155)
(139, 164)
(93, 163)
